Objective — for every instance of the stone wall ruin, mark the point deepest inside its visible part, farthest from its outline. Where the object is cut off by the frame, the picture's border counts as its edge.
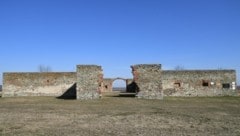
(199, 82)
(149, 82)
(108, 84)
(38, 84)
(89, 81)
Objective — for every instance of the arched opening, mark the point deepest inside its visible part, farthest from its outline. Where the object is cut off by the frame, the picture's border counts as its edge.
(119, 85)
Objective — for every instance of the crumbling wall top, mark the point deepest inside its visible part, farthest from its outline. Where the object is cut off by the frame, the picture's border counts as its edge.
(89, 66)
(144, 66)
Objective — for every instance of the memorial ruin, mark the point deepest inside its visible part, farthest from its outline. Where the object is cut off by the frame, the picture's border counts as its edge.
(149, 82)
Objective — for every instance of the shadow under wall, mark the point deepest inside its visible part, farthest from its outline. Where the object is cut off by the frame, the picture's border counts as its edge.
(71, 93)
(132, 88)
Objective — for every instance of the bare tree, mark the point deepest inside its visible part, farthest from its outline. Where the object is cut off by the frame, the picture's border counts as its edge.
(42, 68)
(179, 67)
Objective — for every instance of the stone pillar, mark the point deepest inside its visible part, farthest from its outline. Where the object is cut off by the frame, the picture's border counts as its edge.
(89, 81)
(148, 80)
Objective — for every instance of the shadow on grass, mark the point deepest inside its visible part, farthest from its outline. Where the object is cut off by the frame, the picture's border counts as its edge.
(122, 96)
(125, 94)
(70, 94)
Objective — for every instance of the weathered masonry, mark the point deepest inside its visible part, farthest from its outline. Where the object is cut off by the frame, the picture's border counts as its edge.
(199, 82)
(38, 84)
(108, 84)
(89, 81)
(149, 82)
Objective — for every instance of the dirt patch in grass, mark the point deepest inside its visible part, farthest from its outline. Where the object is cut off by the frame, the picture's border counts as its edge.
(120, 116)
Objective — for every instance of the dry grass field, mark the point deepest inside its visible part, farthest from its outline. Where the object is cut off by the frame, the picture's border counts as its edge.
(119, 116)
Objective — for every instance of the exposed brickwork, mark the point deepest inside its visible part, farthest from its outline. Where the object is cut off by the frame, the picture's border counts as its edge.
(148, 80)
(107, 84)
(37, 84)
(199, 82)
(89, 81)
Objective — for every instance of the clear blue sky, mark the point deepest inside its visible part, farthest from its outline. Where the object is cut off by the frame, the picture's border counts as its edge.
(197, 34)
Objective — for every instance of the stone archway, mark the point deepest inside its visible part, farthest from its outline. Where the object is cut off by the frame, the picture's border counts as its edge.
(108, 83)
(116, 84)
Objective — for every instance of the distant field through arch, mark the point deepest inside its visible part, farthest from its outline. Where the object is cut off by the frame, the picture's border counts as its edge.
(119, 85)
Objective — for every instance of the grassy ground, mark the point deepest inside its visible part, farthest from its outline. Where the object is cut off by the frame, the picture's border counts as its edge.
(120, 116)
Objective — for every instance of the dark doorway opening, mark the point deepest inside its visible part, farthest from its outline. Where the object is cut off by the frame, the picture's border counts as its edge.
(226, 85)
(205, 83)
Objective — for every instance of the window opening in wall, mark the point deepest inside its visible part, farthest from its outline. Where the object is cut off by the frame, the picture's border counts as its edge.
(205, 83)
(177, 85)
(106, 87)
(226, 85)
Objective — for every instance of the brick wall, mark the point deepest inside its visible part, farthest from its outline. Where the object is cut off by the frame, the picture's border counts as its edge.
(107, 85)
(199, 82)
(149, 82)
(37, 84)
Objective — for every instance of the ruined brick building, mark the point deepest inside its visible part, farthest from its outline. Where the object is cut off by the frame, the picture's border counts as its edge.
(149, 81)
